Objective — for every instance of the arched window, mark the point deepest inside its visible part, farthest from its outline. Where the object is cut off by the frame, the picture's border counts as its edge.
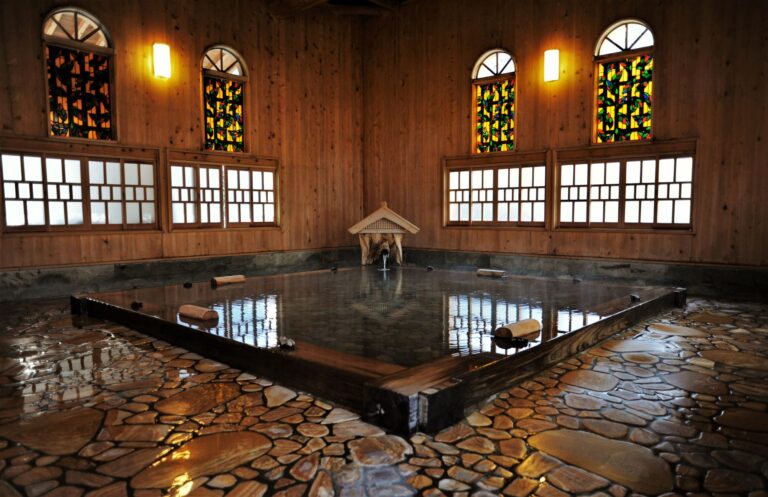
(224, 77)
(493, 86)
(78, 58)
(624, 59)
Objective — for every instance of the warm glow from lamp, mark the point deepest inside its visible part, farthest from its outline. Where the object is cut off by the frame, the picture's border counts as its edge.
(161, 60)
(551, 65)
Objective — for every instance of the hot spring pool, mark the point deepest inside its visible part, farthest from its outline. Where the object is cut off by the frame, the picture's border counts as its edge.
(369, 325)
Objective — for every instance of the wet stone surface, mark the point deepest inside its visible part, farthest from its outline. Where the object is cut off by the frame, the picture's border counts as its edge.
(674, 406)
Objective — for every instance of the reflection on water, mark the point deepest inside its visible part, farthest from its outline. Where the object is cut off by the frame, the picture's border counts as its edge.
(405, 316)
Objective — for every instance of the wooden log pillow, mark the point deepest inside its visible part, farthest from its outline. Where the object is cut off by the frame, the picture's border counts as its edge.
(227, 280)
(527, 328)
(491, 273)
(198, 313)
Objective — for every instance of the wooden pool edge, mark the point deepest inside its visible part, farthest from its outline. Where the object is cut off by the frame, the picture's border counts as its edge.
(437, 399)
(441, 401)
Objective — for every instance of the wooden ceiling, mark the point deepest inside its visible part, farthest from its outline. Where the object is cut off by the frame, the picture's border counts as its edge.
(290, 8)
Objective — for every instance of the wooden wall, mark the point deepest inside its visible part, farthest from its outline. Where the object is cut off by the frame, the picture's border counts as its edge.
(304, 106)
(710, 82)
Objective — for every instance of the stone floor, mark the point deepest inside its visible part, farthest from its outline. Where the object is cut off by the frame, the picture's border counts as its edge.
(677, 405)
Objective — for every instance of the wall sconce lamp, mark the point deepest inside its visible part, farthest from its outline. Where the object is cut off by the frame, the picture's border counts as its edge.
(161, 60)
(551, 65)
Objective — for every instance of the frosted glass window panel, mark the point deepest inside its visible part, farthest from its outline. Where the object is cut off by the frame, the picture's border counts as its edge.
(566, 175)
(684, 170)
(213, 177)
(464, 212)
(453, 212)
(685, 190)
(131, 173)
(147, 174)
(95, 172)
(611, 212)
(113, 173)
(269, 213)
(566, 212)
(503, 210)
(612, 173)
(539, 175)
(487, 212)
(258, 213)
(231, 179)
(37, 191)
(514, 177)
(245, 213)
(33, 168)
(14, 213)
(9, 190)
(526, 176)
(35, 213)
(596, 212)
(664, 214)
(682, 211)
(56, 214)
(580, 212)
(115, 212)
(633, 172)
(24, 190)
(53, 171)
(538, 212)
(245, 181)
(177, 176)
(215, 213)
(11, 167)
(526, 212)
(132, 213)
(503, 180)
(72, 171)
(116, 193)
(488, 178)
(477, 214)
(646, 211)
(98, 213)
(649, 171)
(666, 170)
(477, 179)
(74, 213)
(632, 211)
(178, 213)
(581, 174)
(598, 173)
(191, 217)
(233, 214)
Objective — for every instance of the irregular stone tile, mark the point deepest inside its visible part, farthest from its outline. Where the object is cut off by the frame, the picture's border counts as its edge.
(646, 406)
(305, 468)
(87, 479)
(135, 433)
(621, 416)
(477, 419)
(132, 463)
(744, 419)
(696, 382)
(222, 481)
(450, 485)
(477, 444)
(443, 448)
(277, 395)
(322, 486)
(641, 358)
(625, 463)
(115, 490)
(65, 491)
(339, 415)
(639, 346)
(671, 329)
(519, 412)
(669, 427)
(709, 317)
(374, 451)
(591, 380)
(605, 428)
(37, 475)
(575, 480)
(204, 456)
(209, 366)
(736, 359)
(521, 487)
(536, 465)
(198, 399)
(731, 481)
(248, 489)
(582, 402)
(494, 434)
(356, 429)
(312, 430)
(535, 425)
(58, 433)
(739, 459)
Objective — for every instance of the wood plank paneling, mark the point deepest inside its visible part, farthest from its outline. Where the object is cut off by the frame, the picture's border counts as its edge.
(709, 82)
(304, 107)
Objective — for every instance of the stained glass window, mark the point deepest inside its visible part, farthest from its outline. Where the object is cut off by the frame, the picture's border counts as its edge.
(223, 99)
(624, 61)
(494, 90)
(78, 75)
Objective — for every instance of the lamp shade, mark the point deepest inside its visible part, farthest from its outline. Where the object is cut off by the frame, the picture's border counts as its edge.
(161, 60)
(551, 65)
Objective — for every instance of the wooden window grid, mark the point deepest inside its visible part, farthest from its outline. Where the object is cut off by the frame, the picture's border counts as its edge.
(53, 191)
(223, 196)
(499, 195)
(653, 191)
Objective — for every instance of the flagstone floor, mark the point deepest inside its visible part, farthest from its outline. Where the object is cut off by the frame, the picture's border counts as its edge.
(677, 405)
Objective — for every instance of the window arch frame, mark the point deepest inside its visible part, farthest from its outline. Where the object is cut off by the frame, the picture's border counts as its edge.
(625, 54)
(499, 76)
(81, 46)
(242, 78)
